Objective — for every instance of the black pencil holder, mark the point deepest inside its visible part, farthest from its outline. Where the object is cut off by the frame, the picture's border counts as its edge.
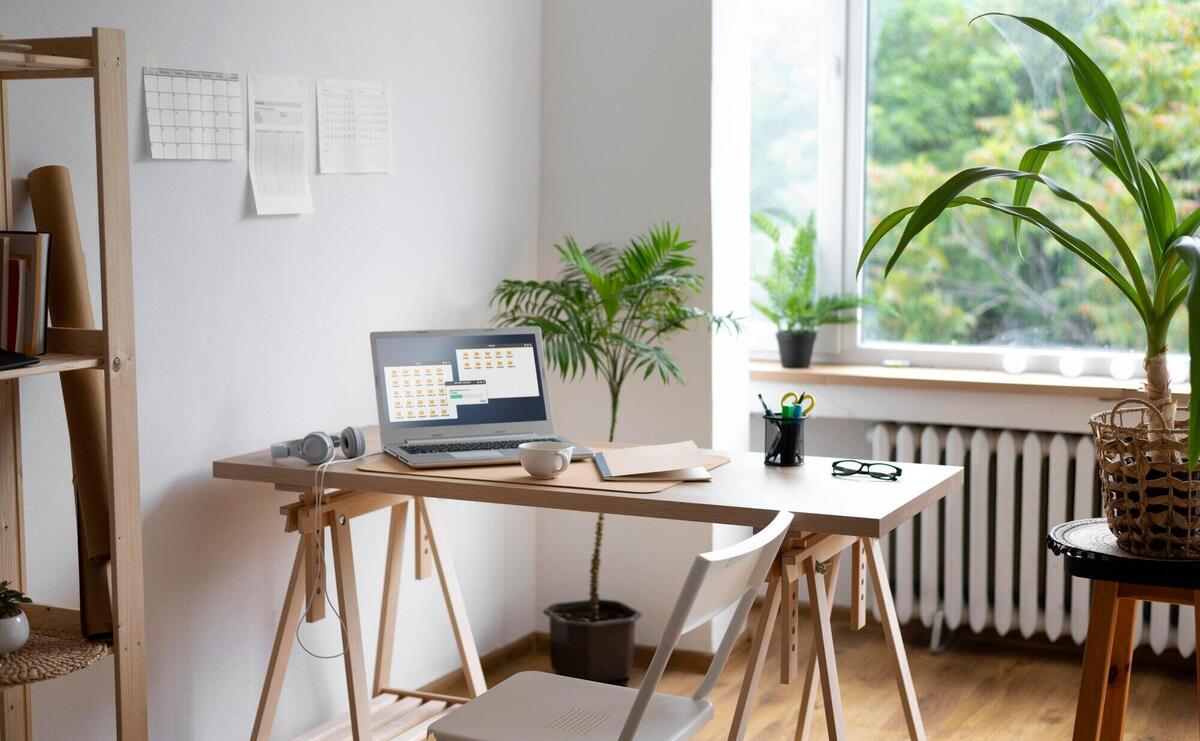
(784, 440)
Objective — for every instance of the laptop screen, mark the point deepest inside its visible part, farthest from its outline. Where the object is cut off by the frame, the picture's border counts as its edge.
(445, 380)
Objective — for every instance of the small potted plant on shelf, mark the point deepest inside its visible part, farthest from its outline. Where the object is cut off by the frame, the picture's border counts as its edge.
(608, 314)
(14, 626)
(791, 287)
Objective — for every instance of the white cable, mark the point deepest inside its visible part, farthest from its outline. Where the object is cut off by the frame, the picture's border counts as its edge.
(319, 534)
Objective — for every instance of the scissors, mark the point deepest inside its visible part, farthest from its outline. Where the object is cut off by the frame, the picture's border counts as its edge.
(791, 404)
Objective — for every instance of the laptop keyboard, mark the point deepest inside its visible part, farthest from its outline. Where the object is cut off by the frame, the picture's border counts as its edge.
(479, 445)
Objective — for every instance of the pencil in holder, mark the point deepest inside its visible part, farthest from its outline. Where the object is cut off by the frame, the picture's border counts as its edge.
(784, 440)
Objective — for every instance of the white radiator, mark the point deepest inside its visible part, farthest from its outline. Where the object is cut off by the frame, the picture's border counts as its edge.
(979, 558)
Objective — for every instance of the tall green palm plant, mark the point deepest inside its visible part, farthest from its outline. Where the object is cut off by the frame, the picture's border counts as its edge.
(608, 313)
(1169, 253)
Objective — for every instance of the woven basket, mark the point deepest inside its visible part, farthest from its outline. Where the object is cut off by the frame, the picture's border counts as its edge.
(1151, 500)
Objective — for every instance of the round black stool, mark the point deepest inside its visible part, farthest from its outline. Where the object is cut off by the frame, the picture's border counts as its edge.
(1120, 582)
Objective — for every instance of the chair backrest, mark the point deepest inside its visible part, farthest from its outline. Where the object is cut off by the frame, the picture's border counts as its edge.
(717, 580)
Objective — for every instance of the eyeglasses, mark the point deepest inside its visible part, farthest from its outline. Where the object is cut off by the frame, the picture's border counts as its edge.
(880, 471)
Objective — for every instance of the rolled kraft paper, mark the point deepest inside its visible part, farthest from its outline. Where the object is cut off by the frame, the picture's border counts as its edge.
(70, 305)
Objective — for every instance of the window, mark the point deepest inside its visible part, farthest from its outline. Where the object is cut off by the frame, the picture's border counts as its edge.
(785, 107)
(927, 93)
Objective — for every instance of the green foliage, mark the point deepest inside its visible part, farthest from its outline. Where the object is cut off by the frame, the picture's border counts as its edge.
(1170, 254)
(11, 600)
(922, 47)
(791, 285)
(609, 313)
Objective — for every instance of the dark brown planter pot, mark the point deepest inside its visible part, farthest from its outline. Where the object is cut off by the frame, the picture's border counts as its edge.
(796, 348)
(599, 650)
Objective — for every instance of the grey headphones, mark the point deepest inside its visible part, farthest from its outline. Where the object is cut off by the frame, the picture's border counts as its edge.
(321, 447)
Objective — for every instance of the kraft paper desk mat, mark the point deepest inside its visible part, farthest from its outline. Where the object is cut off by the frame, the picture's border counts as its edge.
(579, 475)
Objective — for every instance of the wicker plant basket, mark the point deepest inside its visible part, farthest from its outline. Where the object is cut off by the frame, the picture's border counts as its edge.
(1151, 500)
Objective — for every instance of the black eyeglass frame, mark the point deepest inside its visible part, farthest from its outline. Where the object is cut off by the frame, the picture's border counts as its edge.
(864, 468)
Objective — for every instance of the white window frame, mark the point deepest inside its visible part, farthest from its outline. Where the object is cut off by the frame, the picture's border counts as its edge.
(831, 171)
(841, 174)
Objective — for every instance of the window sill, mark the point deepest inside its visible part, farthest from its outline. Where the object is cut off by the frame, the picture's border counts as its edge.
(946, 379)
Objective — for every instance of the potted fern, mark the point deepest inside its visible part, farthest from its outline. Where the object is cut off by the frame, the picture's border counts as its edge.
(608, 314)
(791, 286)
(1147, 482)
(14, 626)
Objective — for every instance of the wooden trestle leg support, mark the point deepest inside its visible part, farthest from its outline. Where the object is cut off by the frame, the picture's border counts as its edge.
(808, 556)
(379, 711)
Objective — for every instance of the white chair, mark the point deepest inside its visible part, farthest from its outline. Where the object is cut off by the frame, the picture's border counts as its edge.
(536, 705)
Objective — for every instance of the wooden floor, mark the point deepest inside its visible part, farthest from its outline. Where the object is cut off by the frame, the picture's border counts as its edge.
(972, 690)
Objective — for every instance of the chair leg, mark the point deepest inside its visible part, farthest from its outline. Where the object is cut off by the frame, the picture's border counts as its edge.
(758, 654)
(289, 616)
(823, 634)
(1120, 666)
(808, 699)
(1096, 657)
(895, 643)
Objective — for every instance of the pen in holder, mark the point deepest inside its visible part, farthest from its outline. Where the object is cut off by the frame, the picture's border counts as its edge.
(784, 440)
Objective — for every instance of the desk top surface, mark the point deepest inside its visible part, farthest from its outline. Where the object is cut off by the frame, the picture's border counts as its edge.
(742, 492)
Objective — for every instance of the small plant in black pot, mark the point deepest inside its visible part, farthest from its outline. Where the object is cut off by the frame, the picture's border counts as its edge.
(791, 286)
(607, 315)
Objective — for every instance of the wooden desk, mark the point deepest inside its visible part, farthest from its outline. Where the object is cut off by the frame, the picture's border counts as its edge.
(831, 515)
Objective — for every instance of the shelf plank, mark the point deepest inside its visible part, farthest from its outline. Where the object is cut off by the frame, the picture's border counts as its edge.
(50, 654)
(54, 362)
(29, 62)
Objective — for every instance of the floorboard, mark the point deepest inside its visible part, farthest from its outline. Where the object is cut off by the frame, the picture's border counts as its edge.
(972, 690)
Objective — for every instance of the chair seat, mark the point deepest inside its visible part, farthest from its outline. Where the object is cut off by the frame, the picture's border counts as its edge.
(536, 705)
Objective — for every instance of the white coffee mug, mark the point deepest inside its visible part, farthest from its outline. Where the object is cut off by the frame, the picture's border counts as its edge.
(545, 460)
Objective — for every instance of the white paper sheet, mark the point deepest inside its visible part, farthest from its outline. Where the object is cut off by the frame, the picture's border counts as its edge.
(354, 126)
(194, 115)
(279, 144)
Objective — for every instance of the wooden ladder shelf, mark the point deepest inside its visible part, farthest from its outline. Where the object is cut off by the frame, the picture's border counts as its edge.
(101, 57)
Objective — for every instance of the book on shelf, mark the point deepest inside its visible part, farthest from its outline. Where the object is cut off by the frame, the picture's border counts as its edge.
(4, 292)
(26, 272)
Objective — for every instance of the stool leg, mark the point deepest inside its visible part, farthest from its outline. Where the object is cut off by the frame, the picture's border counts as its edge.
(895, 643)
(390, 605)
(468, 653)
(1196, 621)
(1120, 665)
(1096, 656)
(823, 638)
(352, 641)
(808, 698)
(789, 625)
(285, 634)
(758, 654)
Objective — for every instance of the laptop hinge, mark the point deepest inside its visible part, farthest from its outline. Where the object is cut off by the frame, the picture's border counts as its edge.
(472, 438)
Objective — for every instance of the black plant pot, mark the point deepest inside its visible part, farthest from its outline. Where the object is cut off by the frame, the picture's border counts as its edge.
(599, 650)
(796, 348)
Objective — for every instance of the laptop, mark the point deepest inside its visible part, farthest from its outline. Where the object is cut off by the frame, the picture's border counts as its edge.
(468, 397)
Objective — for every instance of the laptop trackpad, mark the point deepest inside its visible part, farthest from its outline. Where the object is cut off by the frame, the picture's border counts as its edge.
(476, 455)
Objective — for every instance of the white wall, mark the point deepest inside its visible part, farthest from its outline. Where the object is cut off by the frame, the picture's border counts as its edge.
(250, 330)
(627, 96)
